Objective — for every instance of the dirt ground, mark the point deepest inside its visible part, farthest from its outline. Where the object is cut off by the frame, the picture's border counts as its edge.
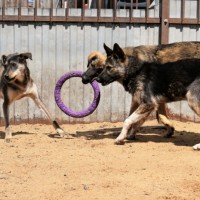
(38, 165)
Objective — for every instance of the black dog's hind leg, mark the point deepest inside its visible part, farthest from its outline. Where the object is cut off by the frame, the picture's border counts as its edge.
(161, 116)
(168, 124)
(193, 97)
(161, 110)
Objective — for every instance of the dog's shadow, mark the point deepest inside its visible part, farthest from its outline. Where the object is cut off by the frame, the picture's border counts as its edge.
(145, 134)
(2, 134)
(51, 135)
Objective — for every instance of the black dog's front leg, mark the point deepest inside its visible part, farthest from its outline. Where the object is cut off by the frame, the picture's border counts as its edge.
(135, 120)
(8, 133)
(131, 132)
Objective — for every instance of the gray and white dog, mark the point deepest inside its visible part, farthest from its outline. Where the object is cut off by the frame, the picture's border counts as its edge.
(16, 83)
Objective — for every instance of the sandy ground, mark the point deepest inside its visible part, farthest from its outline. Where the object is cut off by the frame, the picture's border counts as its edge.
(39, 165)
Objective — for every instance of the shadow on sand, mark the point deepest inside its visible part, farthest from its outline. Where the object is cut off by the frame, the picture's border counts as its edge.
(2, 134)
(144, 134)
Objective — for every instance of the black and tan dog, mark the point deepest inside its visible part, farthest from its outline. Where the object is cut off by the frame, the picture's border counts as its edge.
(16, 83)
(151, 84)
(151, 54)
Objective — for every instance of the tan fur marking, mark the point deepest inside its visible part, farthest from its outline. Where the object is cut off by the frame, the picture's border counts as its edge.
(178, 52)
(168, 124)
(101, 58)
(165, 121)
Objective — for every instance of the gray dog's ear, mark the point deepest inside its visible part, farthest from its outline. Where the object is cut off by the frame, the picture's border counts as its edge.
(95, 58)
(26, 55)
(3, 59)
(108, 50)
(117, 50)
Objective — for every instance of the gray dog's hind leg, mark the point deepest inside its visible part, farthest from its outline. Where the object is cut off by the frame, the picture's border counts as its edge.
(42, 107)
(34, 95)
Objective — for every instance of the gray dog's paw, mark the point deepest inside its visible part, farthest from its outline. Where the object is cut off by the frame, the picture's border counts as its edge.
(196, 147)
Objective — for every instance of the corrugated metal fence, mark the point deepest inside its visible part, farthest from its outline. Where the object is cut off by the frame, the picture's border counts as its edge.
(60, 47)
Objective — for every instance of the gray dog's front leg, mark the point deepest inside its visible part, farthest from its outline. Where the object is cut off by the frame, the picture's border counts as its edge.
(8, 133)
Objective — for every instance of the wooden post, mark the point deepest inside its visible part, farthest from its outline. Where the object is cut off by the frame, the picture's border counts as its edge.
(164, 28)
(164, 38)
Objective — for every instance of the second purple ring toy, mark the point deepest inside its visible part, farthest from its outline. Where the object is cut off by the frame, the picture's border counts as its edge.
(68, 111)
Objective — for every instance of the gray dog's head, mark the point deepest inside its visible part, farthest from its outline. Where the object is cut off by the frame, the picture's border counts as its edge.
(15, 66)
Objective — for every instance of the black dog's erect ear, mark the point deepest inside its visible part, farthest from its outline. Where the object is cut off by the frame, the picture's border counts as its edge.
(117, 50)
(26, 55)
(108, 50)
(3, 59)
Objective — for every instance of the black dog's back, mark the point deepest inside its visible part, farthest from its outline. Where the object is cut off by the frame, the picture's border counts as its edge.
(171, 79)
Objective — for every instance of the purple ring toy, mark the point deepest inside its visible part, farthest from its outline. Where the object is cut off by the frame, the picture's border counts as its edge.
(68, 111)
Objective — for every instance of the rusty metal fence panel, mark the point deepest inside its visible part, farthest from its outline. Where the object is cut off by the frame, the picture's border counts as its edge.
(61, 39)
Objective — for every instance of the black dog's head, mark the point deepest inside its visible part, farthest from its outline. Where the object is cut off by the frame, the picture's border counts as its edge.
(96, 62)
(114, 66)
(15, 67)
